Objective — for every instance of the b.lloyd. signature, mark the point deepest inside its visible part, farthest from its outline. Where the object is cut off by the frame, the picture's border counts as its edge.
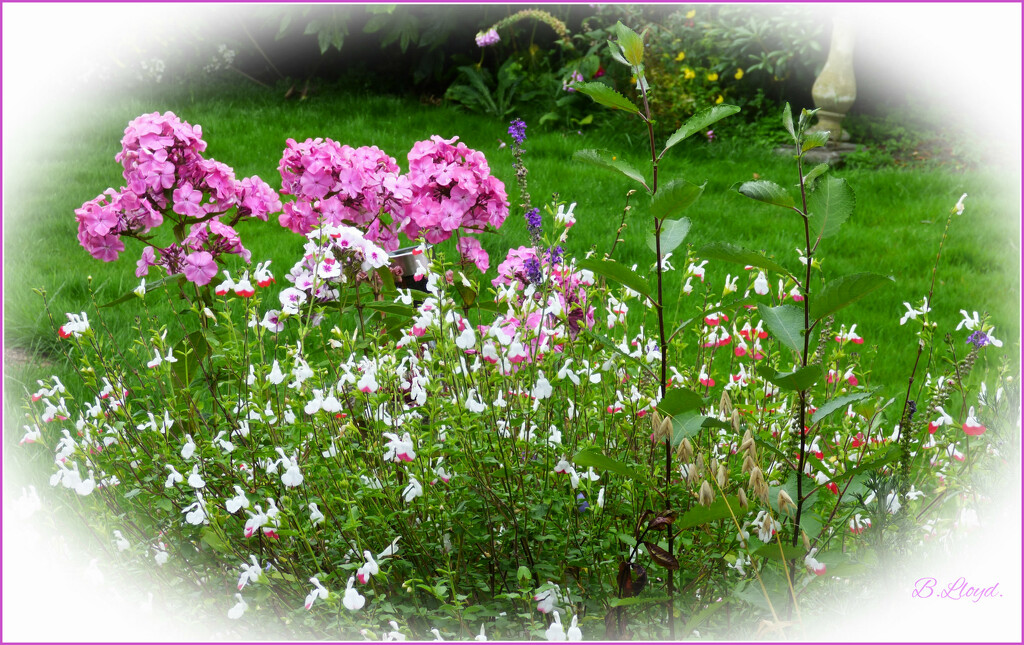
(956, 590)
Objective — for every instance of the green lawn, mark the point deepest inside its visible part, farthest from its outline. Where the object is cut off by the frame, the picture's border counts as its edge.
(895, 229)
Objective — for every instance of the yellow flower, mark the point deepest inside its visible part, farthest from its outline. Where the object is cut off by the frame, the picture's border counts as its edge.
(713, 76)
(691, 13)
(739, 74)
(688, 73)
(680, 56)
(719, 99)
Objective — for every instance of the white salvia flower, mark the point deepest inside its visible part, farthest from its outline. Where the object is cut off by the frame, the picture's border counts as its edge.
(574, 633)
(195, 480)
(600, 498)
(555, 631)
(369, 568)
(437, 635)
(140, 290)
(238, 501)
(120, 541)
(352, 599)
(315, 516)
(959, 208)
(174, 478)
(394, 634)
(276, 376)
(250, 572)
(413, 490)
(482, 636)
(542, 390)
(236, 612)
(761, 284)
(189, 448)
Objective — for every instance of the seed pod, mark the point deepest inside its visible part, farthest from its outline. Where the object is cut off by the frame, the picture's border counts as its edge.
(685, 451)
(723, 476)
(785, 501)
(706, 496)
(725, 403)
(743, 499)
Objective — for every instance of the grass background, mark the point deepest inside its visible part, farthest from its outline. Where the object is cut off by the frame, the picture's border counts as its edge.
(895, 229)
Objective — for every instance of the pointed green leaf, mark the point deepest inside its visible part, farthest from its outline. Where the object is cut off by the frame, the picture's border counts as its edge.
(739, 255)
(798, 380)
(686, 425)
(719, 510)
(838, 403)
(616, 53)
(674, 197)
(637, 600)
(618, 273)
(772, 551)
(699, 121)
(592, 457)
(606, 159)
(844, 291)
(830, 205)
(815, 172)
(787, 120)
(673, 232)
(631, 43)
(678, 400)
(767, 192)
(786, 323)
(814, 140)
(606, 96)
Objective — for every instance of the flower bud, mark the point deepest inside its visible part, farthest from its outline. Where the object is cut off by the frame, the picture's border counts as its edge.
(785, 501)
(706, 495)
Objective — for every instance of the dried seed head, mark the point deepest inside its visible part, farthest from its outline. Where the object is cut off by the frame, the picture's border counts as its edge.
(714, 464)
(725, 403)
(699, 464)
(748, 463)
(743, 499)
(706, 496)
(807, 540)
(723, 476)
(685, 451)
(666, 428)
(758, 486)
(655, 422)
(785, 501)
(736, 420)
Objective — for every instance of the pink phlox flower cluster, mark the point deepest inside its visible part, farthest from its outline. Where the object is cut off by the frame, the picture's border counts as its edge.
(453, 190)
(566, 282)
(340, 185)
(166, 175)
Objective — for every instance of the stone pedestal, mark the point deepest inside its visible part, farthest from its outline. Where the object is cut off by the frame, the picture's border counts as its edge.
(835, 90)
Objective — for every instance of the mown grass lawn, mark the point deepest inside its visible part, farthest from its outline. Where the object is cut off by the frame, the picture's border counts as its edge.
(895, 230)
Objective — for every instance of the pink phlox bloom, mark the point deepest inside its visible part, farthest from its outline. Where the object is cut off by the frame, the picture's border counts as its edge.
(188, 201)
(200, 267)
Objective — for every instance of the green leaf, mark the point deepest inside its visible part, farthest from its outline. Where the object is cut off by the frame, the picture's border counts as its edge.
(606, 96)
(674, 198)
(699, 121)
(150, 286)
(844, 291)
(768, 192)
(619, 273)
(673, 232)
(593, 457)
(606, 159)
(523, 573)
(661, 556)
(698, 515)
(830, 205)
(814, 140)
(839, 403)
(616, 53)
(787, 120)
(636, 600)
(631, 43)
(797, 380)
(739, 255)
(815, 172)
(679, 400)
(217, 543)
(688, 424)
(786, 323)
(187, 366)
(772, 551)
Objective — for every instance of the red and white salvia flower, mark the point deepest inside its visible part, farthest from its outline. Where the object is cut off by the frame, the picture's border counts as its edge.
(972, 426)
(546, 598)
(954, 452)
(849, 336)
(704, 379)
(243, 287)
(398, 450)
(250, 572)
(566, 217)
(858, 524)
(223, 288)
(812, 563)
(318, 592)
(77, 325)
(262, 274)
(369, 569)
(32, 435)
(236, 612)
(944, 419)
(696, 270)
